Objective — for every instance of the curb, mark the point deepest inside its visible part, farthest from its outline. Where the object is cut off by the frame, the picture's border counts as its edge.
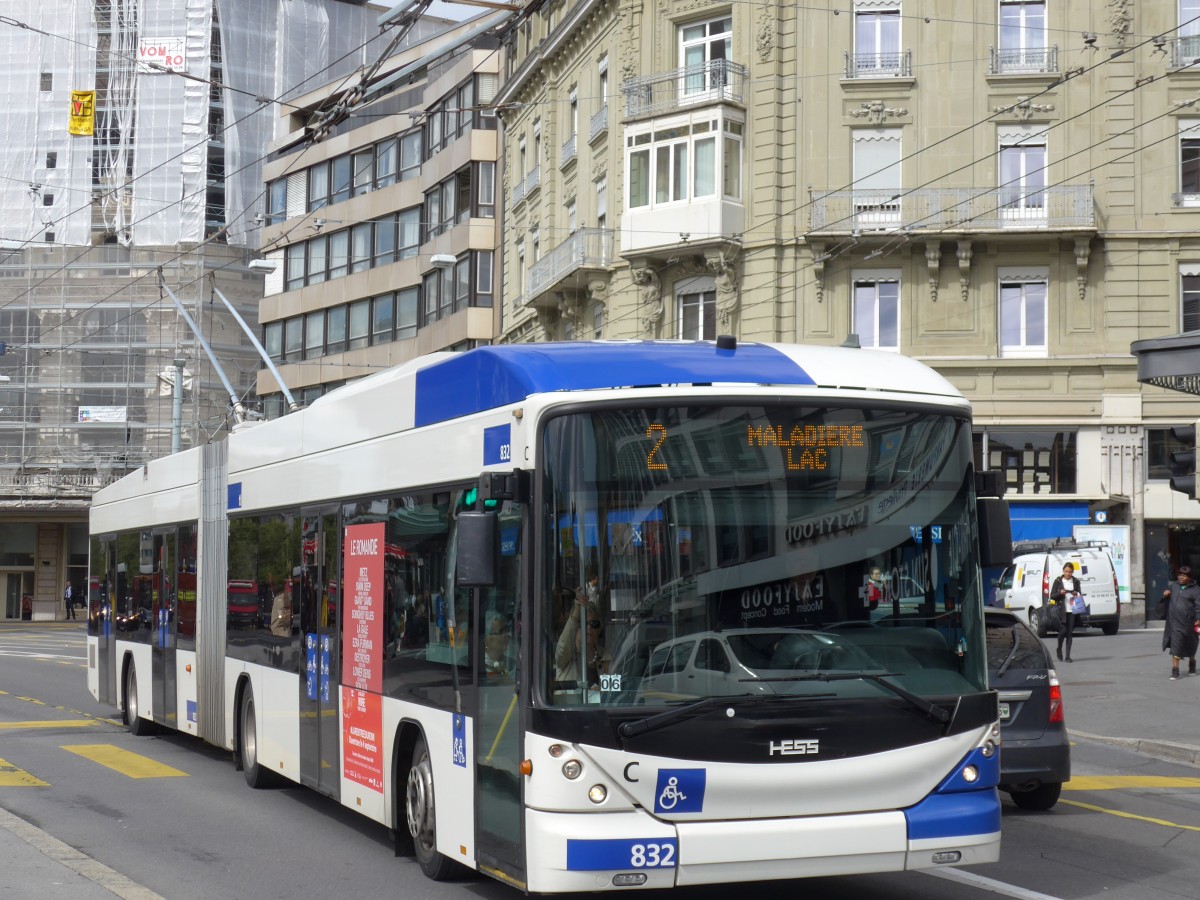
(1166, 750)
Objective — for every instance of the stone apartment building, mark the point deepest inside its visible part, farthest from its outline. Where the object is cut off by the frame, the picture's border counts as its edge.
(383, 234)
(1011, 195)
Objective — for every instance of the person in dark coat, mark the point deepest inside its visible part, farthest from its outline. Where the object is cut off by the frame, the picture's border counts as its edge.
(1065, 586)
(1182, 620)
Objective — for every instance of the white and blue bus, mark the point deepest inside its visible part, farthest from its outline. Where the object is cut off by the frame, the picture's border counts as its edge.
(585, 616)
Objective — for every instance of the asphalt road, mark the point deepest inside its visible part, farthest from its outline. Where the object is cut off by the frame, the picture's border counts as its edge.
(187, 826)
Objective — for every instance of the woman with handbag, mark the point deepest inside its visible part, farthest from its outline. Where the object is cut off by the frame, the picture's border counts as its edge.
(1067, 592)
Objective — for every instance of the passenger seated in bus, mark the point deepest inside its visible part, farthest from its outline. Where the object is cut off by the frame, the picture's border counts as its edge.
(569, 652)
(495, 647)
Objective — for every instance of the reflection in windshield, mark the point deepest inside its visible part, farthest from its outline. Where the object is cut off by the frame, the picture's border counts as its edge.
(708, 551)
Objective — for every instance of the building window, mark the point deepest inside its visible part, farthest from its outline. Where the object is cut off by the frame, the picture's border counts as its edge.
(433, 213)
(407, 312)
(598, 321)
(602, 87)
(519, 295)
(360, 247)
(1023, 38)
(485, 196)
(1023, 178)
(318, 259)
(364, 171)
(1023, 312)
(682, 163)
(383, 312)
(446, 292)
(387, 155)
(314, 334)
(485, 260)
(335, 328)
(51, 159)
(703, 47)
(462, 283)
(1189, 162)
(410, 155)
(697, 307)
(47, 81)
(572, 219)
(1033, 462)
(410, 232)
(360, 324)
(429, 290)
(293, 339)
(273, 340)
(339, 253)
(47, 199)
(385, 240)
(602, 201)
(877, 310)
(318, 186)
(339, 179)
(277, 201)
(294, 266)
(877, 177)
(876, 42)
(1189, 298)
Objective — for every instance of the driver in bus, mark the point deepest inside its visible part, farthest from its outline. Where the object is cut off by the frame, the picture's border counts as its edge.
(571, 652)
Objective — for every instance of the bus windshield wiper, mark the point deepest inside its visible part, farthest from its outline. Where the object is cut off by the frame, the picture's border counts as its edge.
(650, 723)
(932, 710)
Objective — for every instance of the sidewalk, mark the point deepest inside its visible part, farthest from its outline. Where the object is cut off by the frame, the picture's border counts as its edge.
(1119, 691)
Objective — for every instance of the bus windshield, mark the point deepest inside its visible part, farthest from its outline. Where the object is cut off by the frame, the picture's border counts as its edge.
(777, 549)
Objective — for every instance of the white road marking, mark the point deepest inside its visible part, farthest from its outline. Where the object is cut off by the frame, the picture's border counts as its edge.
(988, 884)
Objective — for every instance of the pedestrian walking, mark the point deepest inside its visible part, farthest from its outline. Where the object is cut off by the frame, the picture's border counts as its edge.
(1067, 592)
(1181, 630)
(69, 598)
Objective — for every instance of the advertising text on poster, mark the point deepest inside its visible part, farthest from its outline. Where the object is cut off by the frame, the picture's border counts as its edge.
(362, 738)
(362, 631)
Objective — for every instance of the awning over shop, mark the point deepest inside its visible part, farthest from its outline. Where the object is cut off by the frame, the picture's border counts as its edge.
(1035, 521)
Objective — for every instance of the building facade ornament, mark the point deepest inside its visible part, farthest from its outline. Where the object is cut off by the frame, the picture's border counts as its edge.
(764, 37)
(933, 261)
(649, 299)
(725, 276)
(1024, 109)
(1082, 252)
(964, 268)
(1120, 20)
(876, 111)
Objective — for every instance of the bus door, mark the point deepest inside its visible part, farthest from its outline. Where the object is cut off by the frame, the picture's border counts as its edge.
(498, 723)
(316, 584)
(100, 607)
(163, 614)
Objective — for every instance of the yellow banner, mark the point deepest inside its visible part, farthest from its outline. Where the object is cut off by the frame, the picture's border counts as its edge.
(83, 112)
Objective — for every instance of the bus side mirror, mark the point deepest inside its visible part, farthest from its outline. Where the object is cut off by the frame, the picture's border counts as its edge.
(995, 532)
(476, 549)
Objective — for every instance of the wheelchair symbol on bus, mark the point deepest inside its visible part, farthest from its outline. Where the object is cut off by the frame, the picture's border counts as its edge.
(671, 794)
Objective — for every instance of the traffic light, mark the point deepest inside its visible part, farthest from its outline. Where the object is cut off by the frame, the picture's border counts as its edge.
(1183, 462)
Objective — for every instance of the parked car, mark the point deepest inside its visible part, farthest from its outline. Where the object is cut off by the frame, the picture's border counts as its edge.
(1024, 587)
(1035, 753)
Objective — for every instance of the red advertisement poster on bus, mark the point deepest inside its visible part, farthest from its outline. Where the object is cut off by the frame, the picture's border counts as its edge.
(362, 738)
(362, 630)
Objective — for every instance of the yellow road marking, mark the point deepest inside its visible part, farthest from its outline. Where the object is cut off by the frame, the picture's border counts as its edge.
(1125, 815)
(61, 723)
(11, 776)
(131, 764)
(1116, 782)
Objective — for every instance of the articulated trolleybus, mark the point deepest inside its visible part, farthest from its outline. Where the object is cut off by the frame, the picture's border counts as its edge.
(584, 616)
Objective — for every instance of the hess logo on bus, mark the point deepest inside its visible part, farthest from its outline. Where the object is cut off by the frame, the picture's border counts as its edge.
(795, 748)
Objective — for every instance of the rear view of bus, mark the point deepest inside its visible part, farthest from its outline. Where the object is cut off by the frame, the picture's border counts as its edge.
(758, 637)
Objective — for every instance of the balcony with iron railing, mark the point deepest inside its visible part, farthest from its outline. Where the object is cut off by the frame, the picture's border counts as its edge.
(953, 211)
(568, 151)
(533, 180)
(879, 65)
(586, 250)
(1185, 52)
(1022, 60)
(598, 123)
(715, 81)
(518, 191)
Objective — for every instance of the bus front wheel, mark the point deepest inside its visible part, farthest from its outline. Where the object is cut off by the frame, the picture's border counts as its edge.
(421, 813)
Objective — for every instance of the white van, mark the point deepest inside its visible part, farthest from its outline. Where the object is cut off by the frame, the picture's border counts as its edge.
(1024, 587)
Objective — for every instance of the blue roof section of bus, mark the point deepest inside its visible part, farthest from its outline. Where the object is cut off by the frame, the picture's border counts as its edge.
(489, 377)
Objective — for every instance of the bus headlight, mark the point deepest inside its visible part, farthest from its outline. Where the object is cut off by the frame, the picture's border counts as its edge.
(970, 774)
(988, 749)
(572, 769)
(556, 750)
(597, 793)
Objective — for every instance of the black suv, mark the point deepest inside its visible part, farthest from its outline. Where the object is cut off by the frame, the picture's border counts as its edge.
(1035, 754)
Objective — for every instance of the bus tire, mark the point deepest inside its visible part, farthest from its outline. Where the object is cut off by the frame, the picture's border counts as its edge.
(256, 776)
(420, 810)
(138, 726)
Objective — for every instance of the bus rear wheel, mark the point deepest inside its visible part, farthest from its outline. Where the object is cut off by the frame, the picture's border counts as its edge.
(137, 725)
(256, 775)
(421, 813)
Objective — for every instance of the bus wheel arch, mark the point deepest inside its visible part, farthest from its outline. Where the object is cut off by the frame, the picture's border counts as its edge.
(407, 735)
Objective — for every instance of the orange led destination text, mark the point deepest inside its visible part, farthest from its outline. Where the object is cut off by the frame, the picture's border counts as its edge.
(807, 445)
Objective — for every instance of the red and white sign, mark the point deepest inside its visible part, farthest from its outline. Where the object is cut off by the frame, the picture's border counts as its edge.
(362, 738)
(158, 54)
(362, 629)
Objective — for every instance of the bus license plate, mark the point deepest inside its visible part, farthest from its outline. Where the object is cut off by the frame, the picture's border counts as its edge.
(1005, 712)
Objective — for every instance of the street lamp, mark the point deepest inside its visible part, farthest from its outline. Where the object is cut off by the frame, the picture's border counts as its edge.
(266, 266)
